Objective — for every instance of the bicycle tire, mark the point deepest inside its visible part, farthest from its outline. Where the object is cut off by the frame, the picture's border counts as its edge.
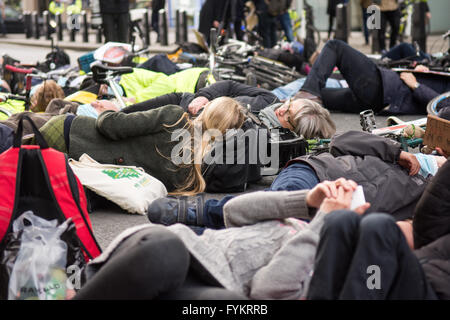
(431, 106)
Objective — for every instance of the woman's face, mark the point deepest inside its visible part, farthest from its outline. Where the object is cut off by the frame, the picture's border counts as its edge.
(287, 112)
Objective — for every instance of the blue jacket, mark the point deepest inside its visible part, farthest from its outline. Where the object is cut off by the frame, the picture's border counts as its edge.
(403, 100)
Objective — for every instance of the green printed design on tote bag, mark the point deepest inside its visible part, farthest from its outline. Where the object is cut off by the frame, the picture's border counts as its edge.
(122, 173)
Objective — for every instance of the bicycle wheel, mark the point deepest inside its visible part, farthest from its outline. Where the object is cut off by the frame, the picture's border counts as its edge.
(432, 105)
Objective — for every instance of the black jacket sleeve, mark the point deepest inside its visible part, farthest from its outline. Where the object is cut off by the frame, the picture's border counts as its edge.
(257, 98)
(423, 94)
(359, 143)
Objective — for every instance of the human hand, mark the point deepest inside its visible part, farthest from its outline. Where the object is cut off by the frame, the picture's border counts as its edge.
(342, 201)
(103, 90)
(428, 15)
(103, 105)
(442, 152)
(421, 68)
(409, 79)
(197, 104)
(216, 24)
(409, 161)
(328, 189)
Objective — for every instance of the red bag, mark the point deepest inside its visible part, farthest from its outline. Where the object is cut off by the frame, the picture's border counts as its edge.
(39, 178)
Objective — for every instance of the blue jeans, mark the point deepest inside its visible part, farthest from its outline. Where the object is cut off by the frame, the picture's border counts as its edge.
(286, 24)
(362, 75)
(287, 91)
(297, 176)
(405, 50)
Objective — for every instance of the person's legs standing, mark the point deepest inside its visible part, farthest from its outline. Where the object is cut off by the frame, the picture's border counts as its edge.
(109, 28)
(148, 263)
(286, 24)
(382, 33)
(264, 28)
(361, 74)
(2, 25)
(330, 25)
(123, 26)
(365, 16)
(394, 21)
(334, 255)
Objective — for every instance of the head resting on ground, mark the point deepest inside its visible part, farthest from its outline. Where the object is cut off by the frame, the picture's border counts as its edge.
(44, 93)
(306, 118)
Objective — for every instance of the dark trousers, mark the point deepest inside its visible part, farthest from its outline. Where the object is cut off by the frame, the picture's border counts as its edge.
(330, 25)
(267, 28)
(365, 17)
(354, 251)
(152, 263)
(116, 27)
(393, 17)
(405, 51)
(362, 75)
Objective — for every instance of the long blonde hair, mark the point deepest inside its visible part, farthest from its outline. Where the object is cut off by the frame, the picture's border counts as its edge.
(219, 114)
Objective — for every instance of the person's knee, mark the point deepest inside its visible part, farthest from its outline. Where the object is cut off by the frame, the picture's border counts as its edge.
(378, 224)
(341, 221)
(164, 246)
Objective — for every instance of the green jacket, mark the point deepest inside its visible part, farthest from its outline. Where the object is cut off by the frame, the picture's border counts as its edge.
(131, 139)
(144, 84)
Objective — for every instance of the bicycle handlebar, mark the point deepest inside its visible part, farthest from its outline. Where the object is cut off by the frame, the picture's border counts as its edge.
(18, 70)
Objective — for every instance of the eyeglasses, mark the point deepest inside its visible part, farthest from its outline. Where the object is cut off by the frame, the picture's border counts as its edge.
(289, 102)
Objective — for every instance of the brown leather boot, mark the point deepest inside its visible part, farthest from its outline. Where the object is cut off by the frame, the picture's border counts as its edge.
(306, 95)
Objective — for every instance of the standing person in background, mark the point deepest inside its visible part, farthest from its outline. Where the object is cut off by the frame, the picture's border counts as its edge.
(75, 7)
(267, 24)
(56, 6)
(286, 23)
(211, 15)
(2, 18)
(390, 12)
(156, 6)
(115, 15)
(331, 11)
(365, 15)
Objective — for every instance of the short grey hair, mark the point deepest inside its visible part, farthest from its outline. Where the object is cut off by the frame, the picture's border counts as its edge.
(313, 121)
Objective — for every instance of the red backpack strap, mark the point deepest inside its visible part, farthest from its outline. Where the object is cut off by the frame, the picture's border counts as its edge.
(56, 165)
(8, 179)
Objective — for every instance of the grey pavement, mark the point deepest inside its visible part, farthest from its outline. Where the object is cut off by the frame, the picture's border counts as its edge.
(109, 222)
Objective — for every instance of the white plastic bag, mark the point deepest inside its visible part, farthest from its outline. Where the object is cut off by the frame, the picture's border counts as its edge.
(39, 270)
(131, 188)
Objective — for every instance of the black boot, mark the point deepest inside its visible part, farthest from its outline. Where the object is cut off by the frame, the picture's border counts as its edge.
(177, 209)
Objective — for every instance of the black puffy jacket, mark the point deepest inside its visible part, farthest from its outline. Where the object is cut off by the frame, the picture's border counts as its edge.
(257, 98)
(435, 261)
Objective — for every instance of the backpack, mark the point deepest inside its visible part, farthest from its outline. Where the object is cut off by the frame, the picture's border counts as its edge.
(276, 7)
(39, 178)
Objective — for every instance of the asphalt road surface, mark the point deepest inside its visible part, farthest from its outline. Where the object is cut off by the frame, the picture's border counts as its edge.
(109, 222)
